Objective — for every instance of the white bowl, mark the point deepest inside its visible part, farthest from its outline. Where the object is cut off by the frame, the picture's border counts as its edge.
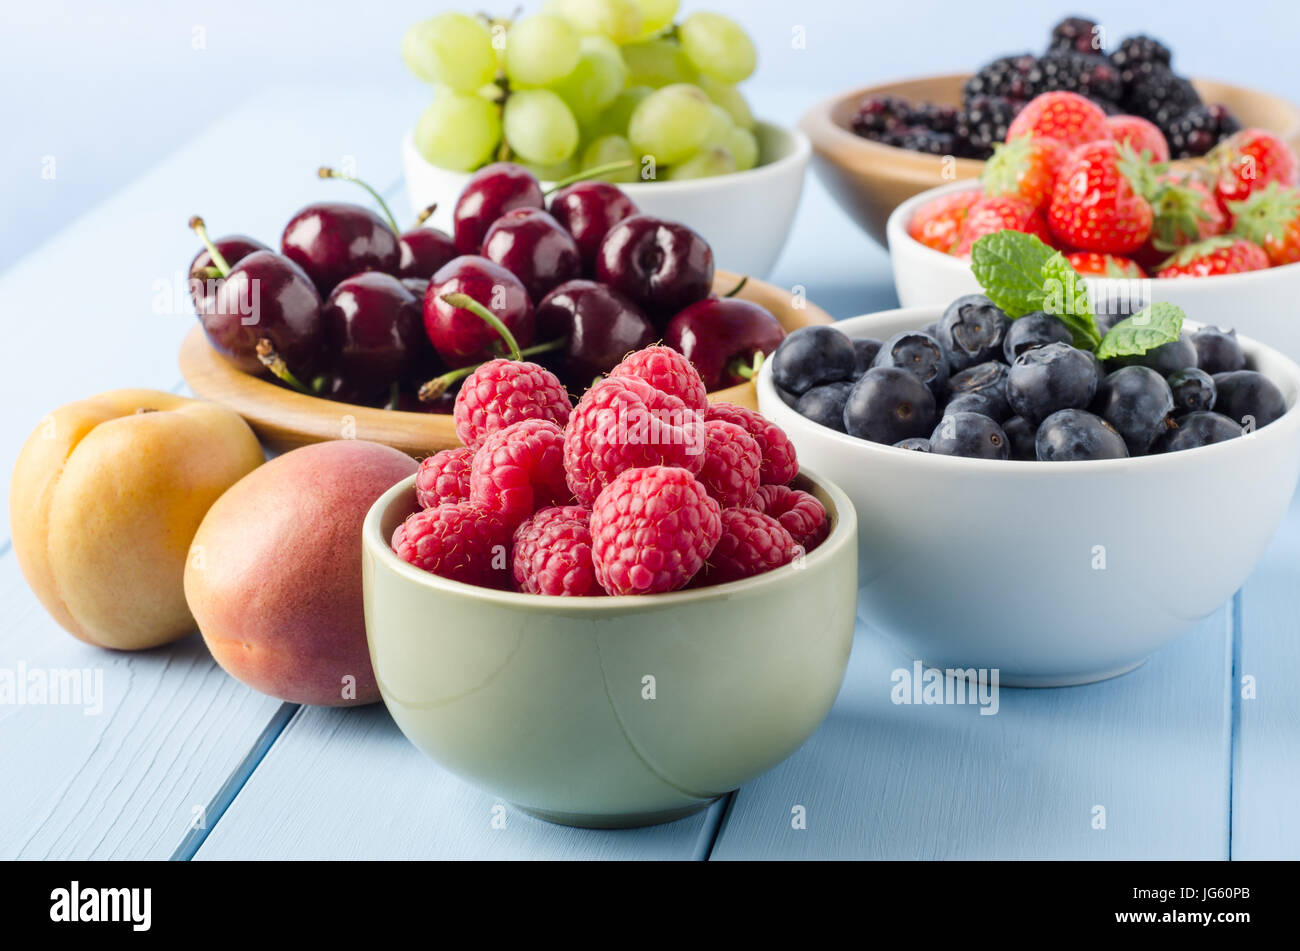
(745, 216)
(1051, 573)
(1259, 303)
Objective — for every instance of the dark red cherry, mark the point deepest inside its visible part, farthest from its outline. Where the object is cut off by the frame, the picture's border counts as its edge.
(205, 275)
(532, 246)
(600, 324)
(587, 210)
(334, 240)
(662, 265)
(721, 336)
(374, 331)
(491, 192)
(462, 337)
(423, 250)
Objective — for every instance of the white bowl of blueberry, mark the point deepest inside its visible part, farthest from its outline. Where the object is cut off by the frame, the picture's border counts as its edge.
(1033, 495)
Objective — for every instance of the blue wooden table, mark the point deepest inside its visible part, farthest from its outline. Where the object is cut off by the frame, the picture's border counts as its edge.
(1194, 755)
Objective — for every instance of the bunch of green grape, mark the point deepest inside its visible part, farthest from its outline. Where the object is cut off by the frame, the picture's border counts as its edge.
(586, 84)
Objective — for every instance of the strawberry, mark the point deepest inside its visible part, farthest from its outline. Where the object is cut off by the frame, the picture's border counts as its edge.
(937, 222)
(1098, 202)
(1140, 135)
(1248, 161)
(1271, 218)
(1224, 254)
(1024, 167)
(1067, 116)
(992, 213)
(1105, 265)
(1185, 211)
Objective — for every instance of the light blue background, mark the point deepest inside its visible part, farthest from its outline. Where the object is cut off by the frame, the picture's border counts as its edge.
(109, 89)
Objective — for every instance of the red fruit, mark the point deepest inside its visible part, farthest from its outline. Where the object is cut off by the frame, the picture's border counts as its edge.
(994, 213)
(462, 337)
(1066, 116)
(1096, 205)
(457, 540)
(651, 530)
(519, 469)
(799, 513)
(732, 462)
(1184, 211)
(444, 477)
(937, 222)
(1105, 265)
(624, 423)
(502, 392)
(1140, 135)
(722, 338)
(1025, 168)
(667, 371)
(1271, 218)
(780, 465)
(1250, 160)
(1221, 255)
(552, 553)
(751, 543)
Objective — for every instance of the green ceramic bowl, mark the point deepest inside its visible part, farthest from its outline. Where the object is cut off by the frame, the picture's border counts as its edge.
(609, 712)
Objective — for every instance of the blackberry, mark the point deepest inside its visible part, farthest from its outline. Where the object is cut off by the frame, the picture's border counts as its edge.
(982, 122)
(879, 115)
(1085, 73)
(932, 115)
(921, 139)
(1199, 129)
(1074, 33)
(1005, 77)
(1161, 96)
(1138, 55)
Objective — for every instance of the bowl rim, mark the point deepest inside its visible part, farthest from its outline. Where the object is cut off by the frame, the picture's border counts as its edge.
(898, 220)
(1288, 422)
(835, 545)
(798, 157)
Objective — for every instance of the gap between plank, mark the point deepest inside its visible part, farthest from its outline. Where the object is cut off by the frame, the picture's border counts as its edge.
(714, 822)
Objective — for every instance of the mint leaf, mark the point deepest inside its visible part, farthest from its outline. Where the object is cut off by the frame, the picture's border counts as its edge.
(1149, 328)
(1009, 266)
(1065, 297)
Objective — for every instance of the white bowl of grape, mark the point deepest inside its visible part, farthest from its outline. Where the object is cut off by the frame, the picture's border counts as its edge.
(610, 89)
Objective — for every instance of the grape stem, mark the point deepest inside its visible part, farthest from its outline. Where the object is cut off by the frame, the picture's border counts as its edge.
(433, 389)
(738, 288)
(275, 363)
(594, 172)
(325, 172)
(200, 229)
(747, 369)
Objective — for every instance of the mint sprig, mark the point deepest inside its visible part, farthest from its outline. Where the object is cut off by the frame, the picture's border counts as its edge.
(1151, 327)
(1065, 297)
(1009, 266)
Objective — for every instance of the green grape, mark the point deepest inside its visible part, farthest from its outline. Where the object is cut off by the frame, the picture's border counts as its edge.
(703, 164)
(729, 98)
(671, 123)
(718, 46)
(620, 20)
(657, 63)
(452, 49)
(609, 149)
(458, 131)
(614, 120)
(656, 16)
(720, 126)
(539, 127)
(743, 147)
(596, 81)
(541, 50)
(554, 172)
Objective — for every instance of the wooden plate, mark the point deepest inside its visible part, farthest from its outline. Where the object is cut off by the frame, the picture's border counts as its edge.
(284, 419)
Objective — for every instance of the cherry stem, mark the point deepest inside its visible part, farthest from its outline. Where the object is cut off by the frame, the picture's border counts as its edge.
(465, 302)
(275, 363)
(425, 215)
(594, 172)
(747, 369)
(200, 229)
(433, 389)
(738, 288)
(325, 172)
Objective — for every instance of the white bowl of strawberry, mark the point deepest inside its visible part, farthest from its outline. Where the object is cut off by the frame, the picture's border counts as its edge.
(1220, 236)
(528, 595)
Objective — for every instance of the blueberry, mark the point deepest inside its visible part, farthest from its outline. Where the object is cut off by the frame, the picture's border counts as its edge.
(825, 404)
(1197, 429)
(812, 355)
(1164, 359)
(972, 330)
(1248, 398)
(1193, 390)
(1050, 378)
(887, 405)
(919, 354)
(1137, 402)
(788, 398)
(865, 348)
(982, 403)
(932, 328)
(914, 443)
(1033, 330)
(970, 434)
(1020, 434)
(988, 380)
(1217, 351)
(1072, 435)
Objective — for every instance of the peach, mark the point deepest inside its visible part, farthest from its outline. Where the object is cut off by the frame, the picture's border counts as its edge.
(107, 494)
(274, 579)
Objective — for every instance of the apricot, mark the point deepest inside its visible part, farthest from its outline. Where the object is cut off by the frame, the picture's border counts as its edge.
(107, 494)
(274, 579)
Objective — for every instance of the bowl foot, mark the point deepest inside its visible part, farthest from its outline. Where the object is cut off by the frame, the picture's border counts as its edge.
(1067, 680)
(617, 821)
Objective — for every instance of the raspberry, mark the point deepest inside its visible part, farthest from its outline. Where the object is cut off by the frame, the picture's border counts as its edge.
(799, 513)
(501, 392)
(668, 371)
(732, 461)
(519, 469)
(457, 540)
(651, 530)
(443, 477)
(552, 553)
(751, 543)
(780, 464)
(625, 423)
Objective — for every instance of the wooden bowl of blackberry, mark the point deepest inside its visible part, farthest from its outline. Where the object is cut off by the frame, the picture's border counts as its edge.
(876, 146)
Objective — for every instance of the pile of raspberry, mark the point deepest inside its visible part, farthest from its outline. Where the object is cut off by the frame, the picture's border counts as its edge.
(643, 487)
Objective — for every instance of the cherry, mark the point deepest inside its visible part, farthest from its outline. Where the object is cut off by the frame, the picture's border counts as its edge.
(600, 327)
(375, 335)
(205, 275)
(588, 210)
(722, 336)
(662, 265)
(534, 248)
(334, 240)
(461, 336)
(423, 250)
(491, 192)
